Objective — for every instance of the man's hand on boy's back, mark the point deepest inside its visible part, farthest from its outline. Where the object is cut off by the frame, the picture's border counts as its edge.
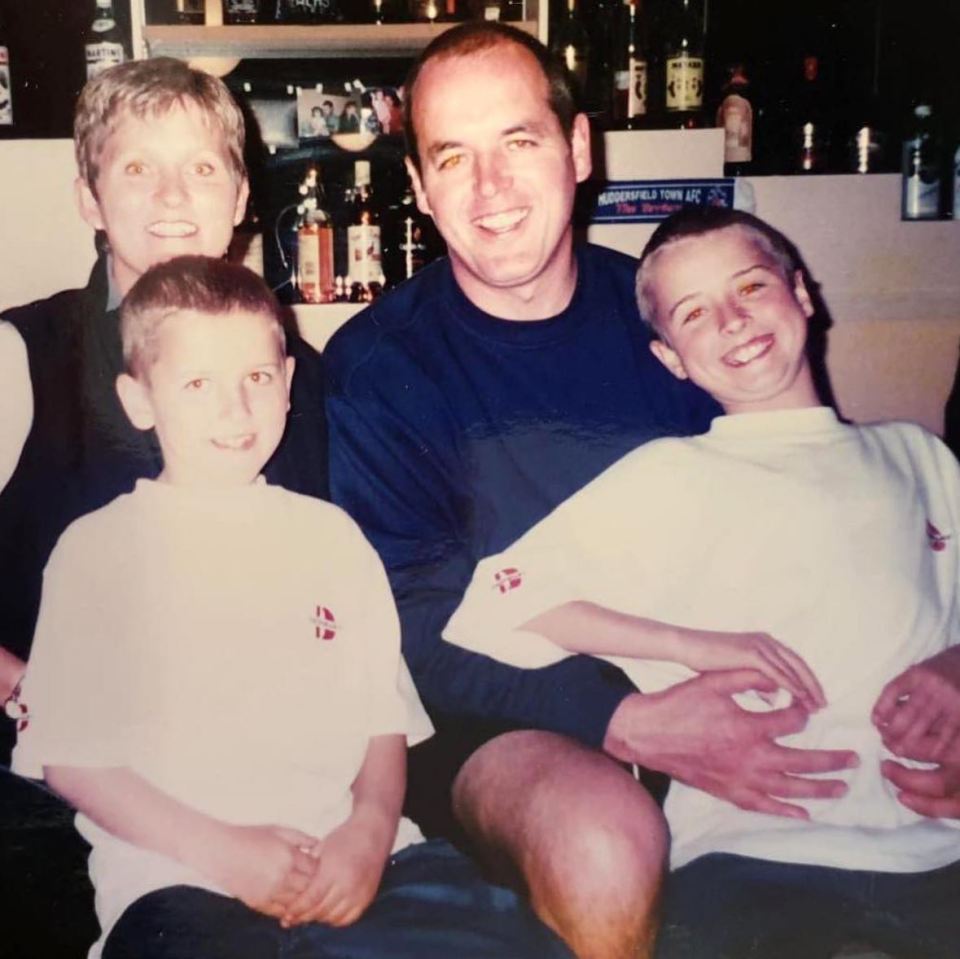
(695, 732)
(265, 867)
(918, 715)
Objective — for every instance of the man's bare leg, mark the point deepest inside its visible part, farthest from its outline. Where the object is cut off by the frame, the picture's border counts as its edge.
(584, 838)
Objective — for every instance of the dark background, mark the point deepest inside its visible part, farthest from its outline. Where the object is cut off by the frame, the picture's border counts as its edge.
(900, 50)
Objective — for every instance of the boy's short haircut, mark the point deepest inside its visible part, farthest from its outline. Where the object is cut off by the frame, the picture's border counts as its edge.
(692, 221)
(151, 88)
(474, 37)
(199, 283)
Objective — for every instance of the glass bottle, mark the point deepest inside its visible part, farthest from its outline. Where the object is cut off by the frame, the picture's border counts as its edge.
(810, 129)
(736, 115)
(570, 42)
(920, 197)
(104, 44)
(365, 268)
(190, 12)
(6, 92)
(630, 69)
(240, 11)
(683, 63)
(315, 273)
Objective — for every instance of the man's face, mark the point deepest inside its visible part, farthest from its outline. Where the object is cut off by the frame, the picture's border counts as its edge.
(498, 177)
(732, 323)
(165, 187)
(217, 395)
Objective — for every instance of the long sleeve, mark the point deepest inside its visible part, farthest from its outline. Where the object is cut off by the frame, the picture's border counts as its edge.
(400, 486)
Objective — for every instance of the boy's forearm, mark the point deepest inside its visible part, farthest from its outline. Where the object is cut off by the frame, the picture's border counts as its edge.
(130, 808)
(379, 787)
(583, 627)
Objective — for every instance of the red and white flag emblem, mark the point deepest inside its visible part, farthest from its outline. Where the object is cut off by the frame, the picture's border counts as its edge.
(324, 623)
(938, 540)
(507, 579)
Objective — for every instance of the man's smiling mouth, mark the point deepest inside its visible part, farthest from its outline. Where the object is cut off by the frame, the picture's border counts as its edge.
(502, 222)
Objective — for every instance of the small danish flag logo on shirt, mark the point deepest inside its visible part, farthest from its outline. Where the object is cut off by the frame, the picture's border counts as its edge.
(938, 540)
(325, 624)
(507, 579)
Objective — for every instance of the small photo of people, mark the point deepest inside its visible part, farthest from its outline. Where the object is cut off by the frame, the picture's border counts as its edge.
(321, 114)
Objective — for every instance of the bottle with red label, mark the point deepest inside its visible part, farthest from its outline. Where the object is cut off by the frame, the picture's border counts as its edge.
(364, 258)
(315, 272)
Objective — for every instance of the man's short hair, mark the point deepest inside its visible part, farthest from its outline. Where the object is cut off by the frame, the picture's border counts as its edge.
(145, 89)
(691, 221)
(199, 283)
(476, 36)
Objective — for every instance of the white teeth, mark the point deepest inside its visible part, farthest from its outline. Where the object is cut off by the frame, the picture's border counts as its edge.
(235, 442)
(172, 228)
(501, 222)
(748, 352)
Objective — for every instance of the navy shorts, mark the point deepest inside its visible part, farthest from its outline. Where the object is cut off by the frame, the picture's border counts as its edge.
(432, 904)
(723, 906)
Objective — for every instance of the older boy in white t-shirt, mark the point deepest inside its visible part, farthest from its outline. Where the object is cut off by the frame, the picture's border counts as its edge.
(232, 727)
(693, 554)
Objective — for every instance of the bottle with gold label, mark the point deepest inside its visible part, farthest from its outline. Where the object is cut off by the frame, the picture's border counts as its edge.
(683, 63)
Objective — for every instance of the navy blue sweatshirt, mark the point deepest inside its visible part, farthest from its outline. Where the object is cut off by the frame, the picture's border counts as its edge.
(452, 432)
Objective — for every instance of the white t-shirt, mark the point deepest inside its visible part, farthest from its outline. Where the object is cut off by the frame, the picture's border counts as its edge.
(840, 541)
(236, 648)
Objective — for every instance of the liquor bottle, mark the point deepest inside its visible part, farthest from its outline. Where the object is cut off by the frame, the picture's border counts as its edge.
(810, 133)
(240, 11)
(629, 106)
(104, 45)
(736, 116)
(425, 10)
(190, 12)
(6, 92)
(315, 274)
(363, 237)
(571, 44)
(309, 11)
(920, 197)
(683, 63)
(866, 142)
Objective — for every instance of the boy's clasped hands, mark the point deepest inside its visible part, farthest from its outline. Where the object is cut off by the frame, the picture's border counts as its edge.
(297, 878)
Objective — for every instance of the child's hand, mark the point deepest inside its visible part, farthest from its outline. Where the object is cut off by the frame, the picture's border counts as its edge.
(918, 712)
(350, 863)
(266, 867)
(704, 650)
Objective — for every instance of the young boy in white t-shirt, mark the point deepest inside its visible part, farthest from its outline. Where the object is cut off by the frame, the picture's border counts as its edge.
(819, 555)
(216, 681)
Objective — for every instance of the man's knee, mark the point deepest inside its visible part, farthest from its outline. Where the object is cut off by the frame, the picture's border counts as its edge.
(564, 814)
